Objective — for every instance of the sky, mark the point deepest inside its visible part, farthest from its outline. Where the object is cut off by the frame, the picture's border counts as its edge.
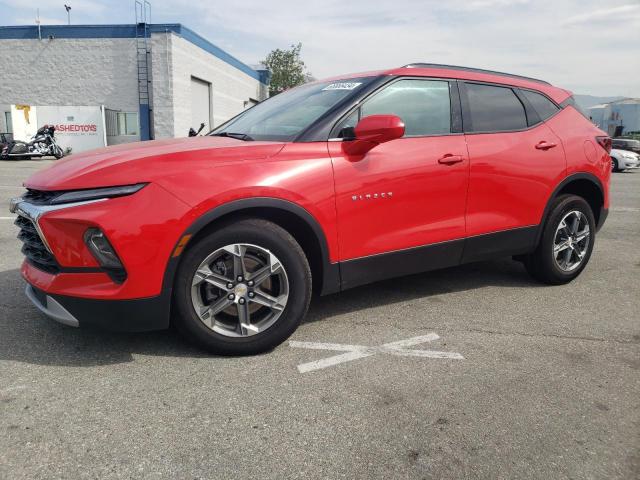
(587, 46)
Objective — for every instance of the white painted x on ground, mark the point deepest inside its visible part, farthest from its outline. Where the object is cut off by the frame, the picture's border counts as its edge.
(356, 352)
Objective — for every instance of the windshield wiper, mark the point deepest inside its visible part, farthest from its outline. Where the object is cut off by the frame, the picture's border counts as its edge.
(238, 136)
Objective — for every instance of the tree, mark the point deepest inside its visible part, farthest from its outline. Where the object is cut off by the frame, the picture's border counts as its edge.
(287, 69)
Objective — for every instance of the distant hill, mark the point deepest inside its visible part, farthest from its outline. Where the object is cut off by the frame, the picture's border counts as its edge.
(586, 101)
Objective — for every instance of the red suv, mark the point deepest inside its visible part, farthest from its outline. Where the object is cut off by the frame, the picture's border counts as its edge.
(325, 187)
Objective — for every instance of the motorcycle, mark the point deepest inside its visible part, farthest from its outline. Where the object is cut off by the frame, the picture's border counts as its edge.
(42, 144)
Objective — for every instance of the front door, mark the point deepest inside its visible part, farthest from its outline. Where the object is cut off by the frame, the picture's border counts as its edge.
(405, 194)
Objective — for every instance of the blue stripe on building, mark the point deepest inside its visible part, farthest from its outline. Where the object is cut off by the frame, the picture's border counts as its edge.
(129, 31)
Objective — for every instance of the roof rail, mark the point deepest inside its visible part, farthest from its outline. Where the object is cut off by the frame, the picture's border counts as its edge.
(469, 69)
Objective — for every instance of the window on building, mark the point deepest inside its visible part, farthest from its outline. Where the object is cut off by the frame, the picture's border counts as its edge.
(8, 122)
(541, 104)
(127, 123)
(494, 109)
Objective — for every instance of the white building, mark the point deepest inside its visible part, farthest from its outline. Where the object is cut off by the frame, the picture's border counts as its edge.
(617, 118)
(153, 80)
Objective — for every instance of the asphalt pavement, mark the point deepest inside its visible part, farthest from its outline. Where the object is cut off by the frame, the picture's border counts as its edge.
(519, 380)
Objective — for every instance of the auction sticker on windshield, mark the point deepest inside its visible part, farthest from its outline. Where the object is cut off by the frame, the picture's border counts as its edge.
(342, 86)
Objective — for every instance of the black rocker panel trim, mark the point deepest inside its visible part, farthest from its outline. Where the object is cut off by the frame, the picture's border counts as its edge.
(361, 271)
(331, 271)
(516, 241)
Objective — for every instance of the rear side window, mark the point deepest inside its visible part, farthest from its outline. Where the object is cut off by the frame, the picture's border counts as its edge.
(544, 107)
(423, 105)
(494, 109)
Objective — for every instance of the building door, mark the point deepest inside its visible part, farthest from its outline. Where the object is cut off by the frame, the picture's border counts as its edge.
(200, 104)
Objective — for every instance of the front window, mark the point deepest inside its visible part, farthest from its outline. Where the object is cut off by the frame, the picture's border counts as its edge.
(423, 105)
(288, 114)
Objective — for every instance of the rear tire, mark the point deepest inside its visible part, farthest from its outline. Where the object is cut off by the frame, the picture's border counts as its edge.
(566, 243)
(240, 315)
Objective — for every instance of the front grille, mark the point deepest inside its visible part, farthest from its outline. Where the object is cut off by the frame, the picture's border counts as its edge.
(33, 248)
(40, 197)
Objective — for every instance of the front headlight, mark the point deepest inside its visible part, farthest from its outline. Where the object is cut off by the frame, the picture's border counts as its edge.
(96, 193)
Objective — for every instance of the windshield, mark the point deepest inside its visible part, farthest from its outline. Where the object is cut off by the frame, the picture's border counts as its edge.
(286, 115)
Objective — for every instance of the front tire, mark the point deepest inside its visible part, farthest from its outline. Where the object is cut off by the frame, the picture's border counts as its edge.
(242, 289)
(566, 243)
(614, 165)
(57, 152)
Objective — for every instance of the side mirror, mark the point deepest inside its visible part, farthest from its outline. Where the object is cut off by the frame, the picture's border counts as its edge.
(373, 130)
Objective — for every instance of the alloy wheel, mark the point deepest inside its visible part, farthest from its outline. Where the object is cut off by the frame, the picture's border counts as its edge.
(571, 241)
(240, 290)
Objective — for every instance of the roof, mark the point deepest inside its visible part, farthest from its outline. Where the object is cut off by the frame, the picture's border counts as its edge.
(627, 101)
(129, 31)
(471, 69)
(467, 73)
(624, 101)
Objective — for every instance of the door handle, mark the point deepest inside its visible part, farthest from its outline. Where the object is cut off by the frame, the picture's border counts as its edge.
(450, 159)
(543, 145)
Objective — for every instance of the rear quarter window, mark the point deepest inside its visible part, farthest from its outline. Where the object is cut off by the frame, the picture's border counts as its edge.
(544, 107)
(572, 102)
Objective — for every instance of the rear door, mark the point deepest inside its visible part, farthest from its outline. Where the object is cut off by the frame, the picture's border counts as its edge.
(515, 163)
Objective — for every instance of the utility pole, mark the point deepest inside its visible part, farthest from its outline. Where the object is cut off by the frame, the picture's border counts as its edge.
(38, 23)
(68, 9)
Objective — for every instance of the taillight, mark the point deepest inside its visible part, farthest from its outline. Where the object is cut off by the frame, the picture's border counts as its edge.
(605, 142)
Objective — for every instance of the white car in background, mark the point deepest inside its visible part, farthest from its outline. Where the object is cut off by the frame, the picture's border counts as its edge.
(624, 160)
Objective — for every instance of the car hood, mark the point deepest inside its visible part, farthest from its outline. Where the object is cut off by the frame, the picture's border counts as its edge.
(145, 161)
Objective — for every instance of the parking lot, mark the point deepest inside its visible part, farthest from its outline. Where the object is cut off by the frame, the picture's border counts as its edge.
(527, 381)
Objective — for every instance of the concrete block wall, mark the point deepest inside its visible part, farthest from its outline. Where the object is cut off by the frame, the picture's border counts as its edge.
(86, 71)
(103, 71)
(162, 86)
(231, 87)
(71, 71)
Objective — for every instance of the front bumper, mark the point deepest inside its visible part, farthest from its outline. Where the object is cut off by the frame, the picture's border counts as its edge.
(50, 307)
(143, 229)
(628, 163)
(137, 315)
